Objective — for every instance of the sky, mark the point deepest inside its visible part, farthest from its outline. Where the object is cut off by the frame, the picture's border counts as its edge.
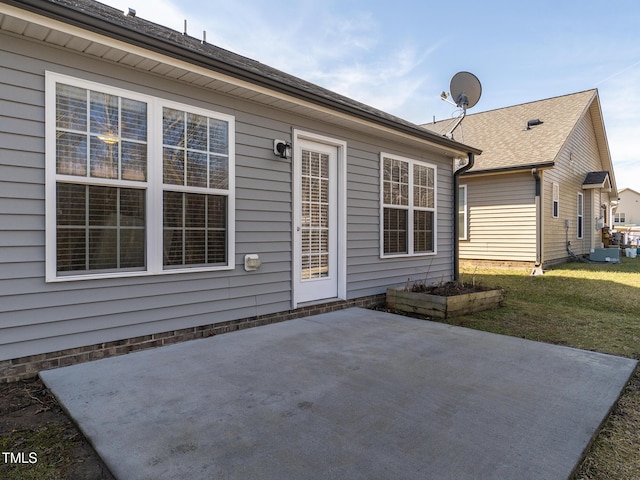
(399, 56)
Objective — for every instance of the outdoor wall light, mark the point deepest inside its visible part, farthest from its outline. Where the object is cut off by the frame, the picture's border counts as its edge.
(281, 148)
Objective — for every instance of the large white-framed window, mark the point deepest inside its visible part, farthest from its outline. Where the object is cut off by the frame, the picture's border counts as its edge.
(580, 216)
(555, 201)
(407, 207)
(462, 213)
(136, 185)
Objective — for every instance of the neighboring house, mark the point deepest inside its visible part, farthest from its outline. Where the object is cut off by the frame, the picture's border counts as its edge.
(544, 180)
(627, 215)
(145, 197)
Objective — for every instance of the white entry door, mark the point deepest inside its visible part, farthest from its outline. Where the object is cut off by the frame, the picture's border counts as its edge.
(315, 262)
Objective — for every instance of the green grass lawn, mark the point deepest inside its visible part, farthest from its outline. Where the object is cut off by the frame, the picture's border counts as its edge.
(588, 306)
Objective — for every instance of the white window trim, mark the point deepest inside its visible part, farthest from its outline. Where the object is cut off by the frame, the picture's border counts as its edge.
(465, 234)
(154, 185)
(580, 208)
(410, 208)
(555, 199)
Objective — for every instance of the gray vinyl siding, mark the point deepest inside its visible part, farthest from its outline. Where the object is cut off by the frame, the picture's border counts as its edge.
(38, 317)
(501, 218)
(579, 156)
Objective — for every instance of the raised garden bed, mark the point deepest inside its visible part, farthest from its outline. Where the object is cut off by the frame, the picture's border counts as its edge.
(443, 301)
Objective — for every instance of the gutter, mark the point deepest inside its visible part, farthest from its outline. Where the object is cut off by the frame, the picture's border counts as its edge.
(456, 206)
(521, 168)
(102, 26)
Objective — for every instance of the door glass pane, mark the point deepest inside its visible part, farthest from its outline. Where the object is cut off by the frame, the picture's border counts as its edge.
(315, 215)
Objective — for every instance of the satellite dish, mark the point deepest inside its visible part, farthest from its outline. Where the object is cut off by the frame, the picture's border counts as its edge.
(465, 90)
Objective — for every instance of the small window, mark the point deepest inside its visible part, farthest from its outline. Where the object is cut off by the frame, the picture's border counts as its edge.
(620, 218)
(580, 217)
(408, 210)
(555, 206)
(462, 212)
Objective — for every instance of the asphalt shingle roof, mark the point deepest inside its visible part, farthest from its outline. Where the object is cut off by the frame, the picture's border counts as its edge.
(503, 136)
(596, 178)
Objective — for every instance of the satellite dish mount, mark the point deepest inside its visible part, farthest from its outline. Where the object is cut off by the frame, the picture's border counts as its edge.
(465, 90)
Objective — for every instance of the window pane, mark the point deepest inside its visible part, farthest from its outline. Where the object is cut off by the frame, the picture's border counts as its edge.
(96, 145)
(104, 114)
(71, 154)
(172, 208)
(217, 211)
(205, 150)
(134, 161)
(103, 249)
(103, 206)
(71, 249)
(134, 120)
(217, 246)
(99, 228)
(395, 231)
(218, 136)
(218, 172)
(423, 186)
(422, 231)
(173, 166)
(396, 179)
(173, 127)
(196, 169)
(195, 247)
(195, 211)
(103, 158)
(196, 132)
(71, 108)
(195, 229)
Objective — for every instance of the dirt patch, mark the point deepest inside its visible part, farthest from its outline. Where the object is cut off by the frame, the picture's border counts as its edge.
(39, 440)
(448, 289)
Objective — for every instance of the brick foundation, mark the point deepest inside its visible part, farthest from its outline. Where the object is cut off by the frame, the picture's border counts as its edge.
(28, 367)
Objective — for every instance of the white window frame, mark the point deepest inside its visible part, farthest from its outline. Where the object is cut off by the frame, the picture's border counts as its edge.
(463, 209)
(410, 207)
(580, 217)
(620, 217)
(555, 200)
(153, 186)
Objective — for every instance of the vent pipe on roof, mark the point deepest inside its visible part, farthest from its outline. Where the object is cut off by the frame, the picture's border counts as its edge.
(533, 123)
(132, 12)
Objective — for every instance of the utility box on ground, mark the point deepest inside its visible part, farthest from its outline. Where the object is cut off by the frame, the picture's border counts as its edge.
(605, 255)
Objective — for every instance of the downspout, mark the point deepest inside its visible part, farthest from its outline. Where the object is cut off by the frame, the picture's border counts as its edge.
(537, 270)
(456, 206)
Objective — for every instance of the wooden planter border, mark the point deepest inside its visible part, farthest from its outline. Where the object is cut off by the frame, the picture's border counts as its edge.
(440, 306)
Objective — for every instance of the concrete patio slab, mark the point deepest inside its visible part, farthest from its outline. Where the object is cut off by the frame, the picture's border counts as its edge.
(354, 394)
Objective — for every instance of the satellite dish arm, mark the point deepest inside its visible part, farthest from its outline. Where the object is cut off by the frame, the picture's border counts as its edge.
(449, 134)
